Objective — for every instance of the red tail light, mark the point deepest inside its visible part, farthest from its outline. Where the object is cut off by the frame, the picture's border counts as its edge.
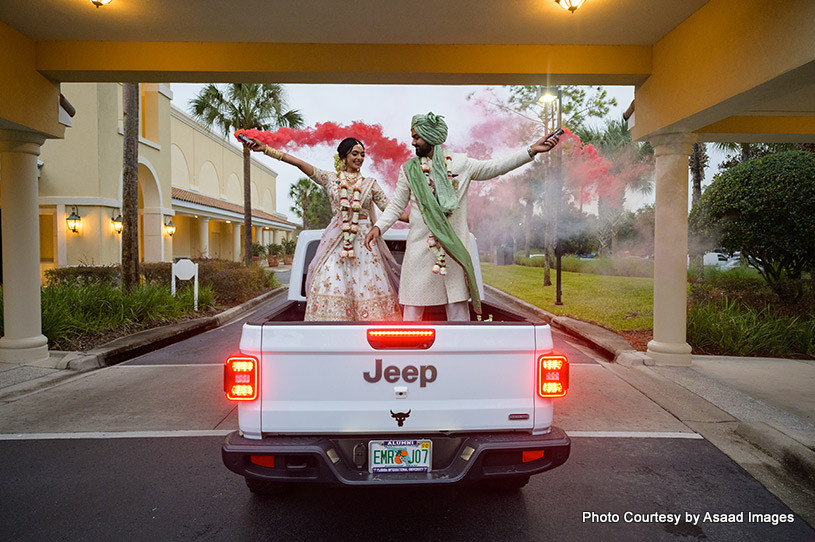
(532, 455)
(553, 375)
(262, 460)
(410, 338)
(241, 378)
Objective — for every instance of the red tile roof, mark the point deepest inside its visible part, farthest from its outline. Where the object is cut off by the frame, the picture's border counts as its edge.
(200, 199)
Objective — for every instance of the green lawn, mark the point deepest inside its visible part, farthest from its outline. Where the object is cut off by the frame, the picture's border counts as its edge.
(619, 303)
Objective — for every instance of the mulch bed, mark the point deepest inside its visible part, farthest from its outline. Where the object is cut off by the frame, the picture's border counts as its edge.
(638, 338)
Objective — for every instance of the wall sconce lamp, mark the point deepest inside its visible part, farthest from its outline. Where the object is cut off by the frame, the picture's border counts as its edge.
(100, 3)
(170, 227)
(74, 220)
(571, 5)
(117, 223)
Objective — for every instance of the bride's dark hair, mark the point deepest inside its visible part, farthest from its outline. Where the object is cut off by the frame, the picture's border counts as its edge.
(346, 145)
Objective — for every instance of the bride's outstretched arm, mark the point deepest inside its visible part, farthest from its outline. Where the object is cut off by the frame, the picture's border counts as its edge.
(277, 154)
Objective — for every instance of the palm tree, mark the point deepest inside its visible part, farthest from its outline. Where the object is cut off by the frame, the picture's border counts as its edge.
(130, 186)
(302, 192)
(697, 161)
(628, 171)
(243, 106)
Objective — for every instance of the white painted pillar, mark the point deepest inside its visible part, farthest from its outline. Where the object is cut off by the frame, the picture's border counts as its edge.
(670, 346)
(203, 236)
(23, 341)
(236, 241)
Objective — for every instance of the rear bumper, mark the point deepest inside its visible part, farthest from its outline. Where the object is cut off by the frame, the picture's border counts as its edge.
(329, 460)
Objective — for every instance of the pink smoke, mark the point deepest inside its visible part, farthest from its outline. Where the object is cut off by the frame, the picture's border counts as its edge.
(386, 154)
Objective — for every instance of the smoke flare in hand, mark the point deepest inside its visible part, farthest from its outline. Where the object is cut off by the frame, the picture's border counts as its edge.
(386, 154)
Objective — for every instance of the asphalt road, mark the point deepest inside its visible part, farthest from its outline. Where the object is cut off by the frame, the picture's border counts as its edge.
(133, 452)
(177, 489)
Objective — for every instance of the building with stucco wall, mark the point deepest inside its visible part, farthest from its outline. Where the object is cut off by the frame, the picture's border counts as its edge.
(187, 175)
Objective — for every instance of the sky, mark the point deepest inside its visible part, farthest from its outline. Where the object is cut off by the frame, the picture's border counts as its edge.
(391, 106)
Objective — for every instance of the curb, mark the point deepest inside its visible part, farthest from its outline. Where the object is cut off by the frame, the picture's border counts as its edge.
(797, 459)
(128, 347)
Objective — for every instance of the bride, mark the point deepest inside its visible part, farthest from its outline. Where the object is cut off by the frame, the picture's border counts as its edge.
(343, 282)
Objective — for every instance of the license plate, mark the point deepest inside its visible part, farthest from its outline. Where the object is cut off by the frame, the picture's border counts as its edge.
(399, 456)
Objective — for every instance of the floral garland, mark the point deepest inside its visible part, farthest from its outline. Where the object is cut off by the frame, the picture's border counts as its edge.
(349, 210)
(440, 266)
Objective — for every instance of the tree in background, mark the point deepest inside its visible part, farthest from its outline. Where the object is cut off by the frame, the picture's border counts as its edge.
(742, 152)
(697, 162)
(130, 186)
(243, 106)
(763, 208)
(578, 104)
(635, 235)
(631, 168)
(311, 204)
(543, 187)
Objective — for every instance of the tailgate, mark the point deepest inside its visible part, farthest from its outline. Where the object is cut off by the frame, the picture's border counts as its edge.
(328, 378)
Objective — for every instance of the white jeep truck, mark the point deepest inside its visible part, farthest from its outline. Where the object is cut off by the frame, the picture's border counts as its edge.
(380, 403)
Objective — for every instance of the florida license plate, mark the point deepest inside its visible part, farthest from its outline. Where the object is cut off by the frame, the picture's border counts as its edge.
(399, 456)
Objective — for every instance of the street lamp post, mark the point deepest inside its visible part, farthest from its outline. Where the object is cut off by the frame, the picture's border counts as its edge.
(558, 176)
(546, 96)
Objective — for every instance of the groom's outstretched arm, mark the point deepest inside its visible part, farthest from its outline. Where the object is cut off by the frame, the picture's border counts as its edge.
(481, 170)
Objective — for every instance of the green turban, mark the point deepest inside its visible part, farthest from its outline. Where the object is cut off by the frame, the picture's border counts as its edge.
(433, 130)
(430, 127)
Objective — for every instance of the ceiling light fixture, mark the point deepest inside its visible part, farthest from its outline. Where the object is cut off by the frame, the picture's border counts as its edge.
(570, 5)
(100, 3)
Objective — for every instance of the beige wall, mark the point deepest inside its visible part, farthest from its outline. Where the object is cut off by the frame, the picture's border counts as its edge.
(85, 169)
(214, 167)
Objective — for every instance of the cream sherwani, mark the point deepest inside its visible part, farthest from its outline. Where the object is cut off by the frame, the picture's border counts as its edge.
(418, 284)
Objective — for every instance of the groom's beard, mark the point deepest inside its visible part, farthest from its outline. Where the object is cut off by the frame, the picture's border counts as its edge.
(424, 149)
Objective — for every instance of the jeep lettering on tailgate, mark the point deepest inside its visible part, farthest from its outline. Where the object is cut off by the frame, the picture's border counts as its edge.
(424, 373)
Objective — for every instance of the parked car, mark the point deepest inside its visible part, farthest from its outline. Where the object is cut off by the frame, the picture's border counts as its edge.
(715, 258)
(734, 261)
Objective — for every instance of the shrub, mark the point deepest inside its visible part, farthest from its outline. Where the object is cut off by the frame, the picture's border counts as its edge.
(763, 208)
(288, 246)
(156, 272)
(84, 274)
(728, 327)
(258, 250)
(75, 316)
(275, 249)
(233, 282)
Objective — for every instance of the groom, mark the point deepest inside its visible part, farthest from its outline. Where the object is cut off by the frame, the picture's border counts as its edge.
(437, 269)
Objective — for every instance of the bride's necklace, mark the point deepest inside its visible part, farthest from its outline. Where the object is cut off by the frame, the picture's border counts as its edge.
(349, 184)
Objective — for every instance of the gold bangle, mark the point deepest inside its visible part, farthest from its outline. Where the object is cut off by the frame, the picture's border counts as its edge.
(274, 153)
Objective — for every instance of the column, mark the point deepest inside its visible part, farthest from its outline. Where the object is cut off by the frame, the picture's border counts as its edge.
(669, 346)
(236, 241)
(203, 236)
(23, 341)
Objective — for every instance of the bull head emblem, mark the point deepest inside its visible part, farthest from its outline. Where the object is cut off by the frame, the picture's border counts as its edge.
(400, 417)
